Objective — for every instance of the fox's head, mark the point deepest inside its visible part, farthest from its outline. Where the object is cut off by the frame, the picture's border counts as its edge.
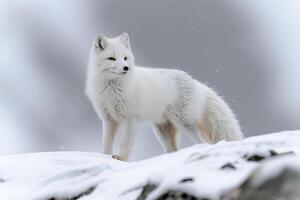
(112, 57)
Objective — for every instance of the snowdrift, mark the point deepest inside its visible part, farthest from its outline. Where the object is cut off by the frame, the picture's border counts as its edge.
(261, 168)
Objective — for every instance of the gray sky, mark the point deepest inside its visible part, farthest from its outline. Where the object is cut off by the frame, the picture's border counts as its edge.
(247, 51)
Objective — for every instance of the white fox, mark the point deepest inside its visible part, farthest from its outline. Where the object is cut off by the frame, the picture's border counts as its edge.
(123, 93)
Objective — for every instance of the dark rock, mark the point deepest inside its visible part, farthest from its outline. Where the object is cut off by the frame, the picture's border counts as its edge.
(228, 166)
(185, 180)
(256, 158)
(286, 153)
(284, 186)
(87, 192)
(273, 153)
(146, 190)
(178, 195)
(259, 157)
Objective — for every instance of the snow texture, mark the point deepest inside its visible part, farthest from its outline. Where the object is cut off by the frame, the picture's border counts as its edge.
(203, 171)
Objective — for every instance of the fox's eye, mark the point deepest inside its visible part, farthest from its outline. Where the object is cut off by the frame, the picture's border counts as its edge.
(111, 58)
(125, 58)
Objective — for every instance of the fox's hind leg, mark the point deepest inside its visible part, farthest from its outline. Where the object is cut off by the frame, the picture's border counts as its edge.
(166, 132)
(193, 131)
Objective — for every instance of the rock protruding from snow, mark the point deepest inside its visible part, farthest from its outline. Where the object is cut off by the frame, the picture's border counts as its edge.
(276, 179)
(262, 167)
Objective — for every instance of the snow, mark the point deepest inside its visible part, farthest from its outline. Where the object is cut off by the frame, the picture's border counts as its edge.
(274, 168)
(206, 171)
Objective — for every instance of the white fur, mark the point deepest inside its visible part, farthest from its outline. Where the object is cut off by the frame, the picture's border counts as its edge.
(153, 95)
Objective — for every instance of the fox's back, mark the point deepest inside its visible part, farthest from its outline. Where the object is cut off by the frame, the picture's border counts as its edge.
(152, 91)
(149, 93)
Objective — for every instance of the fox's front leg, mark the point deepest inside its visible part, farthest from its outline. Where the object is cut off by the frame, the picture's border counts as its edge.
(126, 141)
(110, 128)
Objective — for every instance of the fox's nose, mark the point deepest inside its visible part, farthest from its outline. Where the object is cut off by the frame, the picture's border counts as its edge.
(125, 68)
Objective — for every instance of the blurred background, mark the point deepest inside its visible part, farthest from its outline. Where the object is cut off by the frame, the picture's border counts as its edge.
(247, 50)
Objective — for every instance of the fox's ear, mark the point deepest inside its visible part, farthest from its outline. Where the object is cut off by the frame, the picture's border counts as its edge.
(124, 38)
(100, 42)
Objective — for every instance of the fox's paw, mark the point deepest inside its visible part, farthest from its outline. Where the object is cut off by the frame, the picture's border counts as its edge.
(117, 157)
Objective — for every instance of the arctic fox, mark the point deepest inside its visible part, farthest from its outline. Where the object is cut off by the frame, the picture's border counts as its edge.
(171, 100)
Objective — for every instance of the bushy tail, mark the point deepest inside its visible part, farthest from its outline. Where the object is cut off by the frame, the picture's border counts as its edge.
(218, 120)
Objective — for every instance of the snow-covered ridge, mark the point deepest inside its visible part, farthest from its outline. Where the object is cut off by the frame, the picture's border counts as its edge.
(261, 167)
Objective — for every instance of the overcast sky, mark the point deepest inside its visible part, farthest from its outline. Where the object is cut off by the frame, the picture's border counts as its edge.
(248, 51)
